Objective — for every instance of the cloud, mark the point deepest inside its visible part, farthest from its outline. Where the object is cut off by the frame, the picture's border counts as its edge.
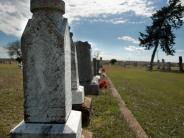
(180, 51)
(14, 14)
(129, 39)
(3, 52)
(134, 49)
(113, 21)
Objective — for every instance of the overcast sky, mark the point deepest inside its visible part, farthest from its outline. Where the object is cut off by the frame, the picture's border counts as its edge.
(111, 26)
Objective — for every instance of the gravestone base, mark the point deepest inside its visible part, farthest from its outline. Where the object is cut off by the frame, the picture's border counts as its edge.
(86, 109)
(91, 89)
(78, 96)
(71, 129)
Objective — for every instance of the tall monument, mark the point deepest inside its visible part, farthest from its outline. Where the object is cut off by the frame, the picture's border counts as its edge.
(46, 49)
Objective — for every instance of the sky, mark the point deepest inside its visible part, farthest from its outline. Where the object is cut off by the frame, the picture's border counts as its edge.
(111, 26)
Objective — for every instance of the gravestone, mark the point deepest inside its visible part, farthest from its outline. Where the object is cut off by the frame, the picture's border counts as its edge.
(77, 90)
(158, 64)
(46, 51)
(85, 68)
(101, 62)
(163, 64)
(80, 103)
(98, 66)
(95, 72)
(180, 64)
(168, 66)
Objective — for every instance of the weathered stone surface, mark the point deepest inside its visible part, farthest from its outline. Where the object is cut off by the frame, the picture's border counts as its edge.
(48, 4)
(47, 69)
(84, 62)
(71, 129)
(46, 49)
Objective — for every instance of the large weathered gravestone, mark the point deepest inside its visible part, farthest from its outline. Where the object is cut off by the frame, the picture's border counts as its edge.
(180, 64)
(163, 64)
(77, 90)
(85, 68)
(47, 75)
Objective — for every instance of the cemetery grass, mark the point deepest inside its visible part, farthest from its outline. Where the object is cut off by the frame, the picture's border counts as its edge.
(106, 121)
(11, 98)
(155, 98)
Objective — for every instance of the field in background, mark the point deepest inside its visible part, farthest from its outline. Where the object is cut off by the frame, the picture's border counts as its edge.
(106, 121)
(155, 98)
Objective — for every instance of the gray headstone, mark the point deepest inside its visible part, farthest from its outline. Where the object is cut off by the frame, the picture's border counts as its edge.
(95, 72)
(46, 51)
(84, 62)
(168, 66)
(98, 66)
(158, 64)
(163, 64)
(180, 64)
(77, 90)
(101, 62)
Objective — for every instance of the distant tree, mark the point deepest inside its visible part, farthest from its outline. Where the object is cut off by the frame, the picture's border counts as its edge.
(113, 61)
(160, 33)
(14, 50)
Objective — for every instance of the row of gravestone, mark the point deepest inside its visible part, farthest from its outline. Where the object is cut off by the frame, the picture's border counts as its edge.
(56, 73)
(167, 66)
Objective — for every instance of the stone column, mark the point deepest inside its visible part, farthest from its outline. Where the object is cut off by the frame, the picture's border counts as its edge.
(85, 68)
(158, 64)
(46, 51)
(77, 90)
(95, 67)
(163, 64)
(180, 64)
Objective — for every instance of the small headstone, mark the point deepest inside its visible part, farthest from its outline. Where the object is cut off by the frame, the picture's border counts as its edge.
(101, 62)
(163, 64)
(168, 66)
(180, 64)
(158, 64)
(46, 53)
(85, 68)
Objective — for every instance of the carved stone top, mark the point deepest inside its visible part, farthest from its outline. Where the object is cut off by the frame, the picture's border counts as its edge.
(48, 4)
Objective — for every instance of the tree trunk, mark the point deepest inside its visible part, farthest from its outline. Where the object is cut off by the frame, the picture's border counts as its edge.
(152, 57)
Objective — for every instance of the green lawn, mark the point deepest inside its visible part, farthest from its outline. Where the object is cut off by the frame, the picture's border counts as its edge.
(155, 98)
(106, 121)
(11, 98)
